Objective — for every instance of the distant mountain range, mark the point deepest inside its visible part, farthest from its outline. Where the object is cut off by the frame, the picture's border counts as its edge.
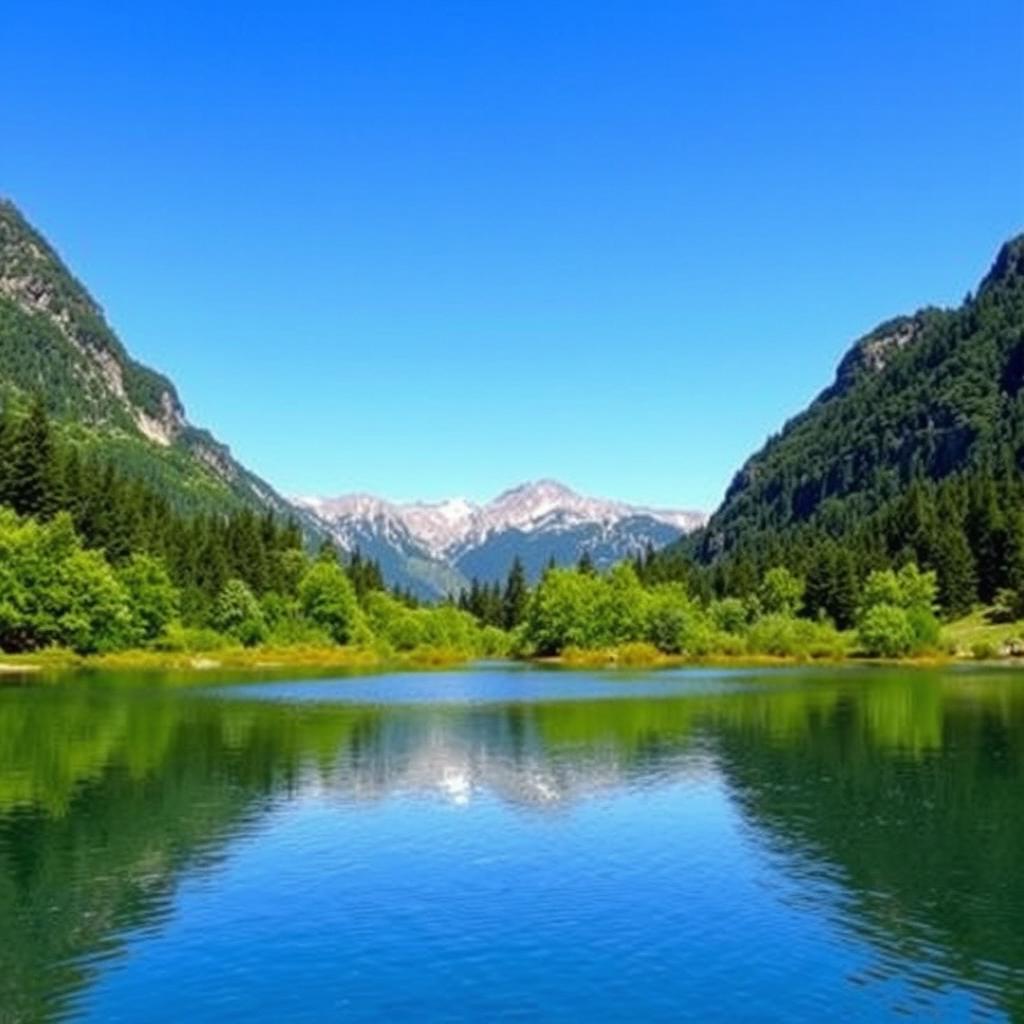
(55, 341)
(436, 548)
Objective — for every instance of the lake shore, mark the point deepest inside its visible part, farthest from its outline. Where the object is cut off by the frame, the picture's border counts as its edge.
(254, 658)
(359, 659)
(612, 658)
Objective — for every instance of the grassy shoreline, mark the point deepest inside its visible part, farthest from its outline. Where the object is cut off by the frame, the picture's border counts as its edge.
(613, 658)
(254, 658)
(368, 660)
(961, 636)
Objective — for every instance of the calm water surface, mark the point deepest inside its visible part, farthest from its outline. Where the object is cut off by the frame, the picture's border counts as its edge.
(506, 843)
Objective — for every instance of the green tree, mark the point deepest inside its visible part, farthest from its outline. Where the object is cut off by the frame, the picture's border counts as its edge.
(781, 592)
(895, 605)
(515, 596)
(238, 613)
(32, 479)
(53, 592)
(153, 599)
(728, 614)
(885, 631)
(620, 608)
(954, 566)
(561, 612)
(671, 618)
(328, 599)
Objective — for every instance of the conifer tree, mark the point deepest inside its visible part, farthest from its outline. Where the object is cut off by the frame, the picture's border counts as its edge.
(33, 475)
(515, 596)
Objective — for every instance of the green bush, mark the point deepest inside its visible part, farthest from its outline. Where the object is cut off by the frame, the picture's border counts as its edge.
(153, 600)
(984, 650)
(55, 593)
(885, 631)
(729, 615)
(177, 638)
(669, 615)
(239, 615)
(926, 629)
(781, 592)
(328, 600)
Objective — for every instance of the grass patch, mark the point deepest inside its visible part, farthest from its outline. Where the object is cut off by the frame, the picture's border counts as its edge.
(256, 658)
(977, 635)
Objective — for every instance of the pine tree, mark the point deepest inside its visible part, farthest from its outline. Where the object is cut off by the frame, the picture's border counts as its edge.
(514, 598)
(954, 564)
(33, 474)
(986, 534)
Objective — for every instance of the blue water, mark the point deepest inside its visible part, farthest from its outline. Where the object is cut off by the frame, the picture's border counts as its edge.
(504, 844)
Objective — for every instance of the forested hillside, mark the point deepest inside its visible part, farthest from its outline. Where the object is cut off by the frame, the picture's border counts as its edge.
(122, 525)
(94, 560)
(915, 452)
(56, 343)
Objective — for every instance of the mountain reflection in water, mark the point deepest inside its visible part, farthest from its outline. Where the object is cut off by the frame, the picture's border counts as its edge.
(878, 813)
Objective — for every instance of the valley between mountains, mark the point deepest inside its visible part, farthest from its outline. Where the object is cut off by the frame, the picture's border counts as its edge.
(893, 503)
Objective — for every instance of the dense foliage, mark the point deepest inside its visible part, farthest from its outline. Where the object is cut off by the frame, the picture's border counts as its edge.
(96, 561)
(915, 453)
(577, 609)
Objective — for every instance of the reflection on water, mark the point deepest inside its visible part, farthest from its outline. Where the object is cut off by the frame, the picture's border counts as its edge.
(508, 842)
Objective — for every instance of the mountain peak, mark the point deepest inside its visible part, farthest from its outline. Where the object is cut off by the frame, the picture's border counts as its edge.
(535, 520)
(1009, 263)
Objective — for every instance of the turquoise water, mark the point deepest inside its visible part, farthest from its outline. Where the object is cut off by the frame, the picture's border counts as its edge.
(510, 843)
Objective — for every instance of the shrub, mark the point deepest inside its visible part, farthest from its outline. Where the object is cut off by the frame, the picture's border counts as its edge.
(561, 612)
(781, 593)
(729, 614)
(775, 634)
(239, 614)
(153, 600)
(984, 650)
(669, 614)
(926, 629)
(185, 639)
(54, 592)
(328, 600)
(1009, 605)
(885, 631)
(637, 653)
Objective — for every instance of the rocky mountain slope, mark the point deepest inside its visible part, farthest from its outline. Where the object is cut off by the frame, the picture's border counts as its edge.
(435, 548)
(928, 397)
(55, 342)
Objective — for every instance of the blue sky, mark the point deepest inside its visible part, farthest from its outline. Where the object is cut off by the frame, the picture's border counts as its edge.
(437, 248)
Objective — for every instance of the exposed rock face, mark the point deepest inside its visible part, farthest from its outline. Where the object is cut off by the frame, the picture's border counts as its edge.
(872, 353)
(54, 339)
(166, 427)
(34, 279)
(217, 458)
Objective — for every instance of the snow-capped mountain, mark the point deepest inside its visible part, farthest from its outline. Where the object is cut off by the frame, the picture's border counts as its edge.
(436, 547)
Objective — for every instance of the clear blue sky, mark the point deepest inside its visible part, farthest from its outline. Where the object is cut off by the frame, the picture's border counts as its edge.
(438, 248)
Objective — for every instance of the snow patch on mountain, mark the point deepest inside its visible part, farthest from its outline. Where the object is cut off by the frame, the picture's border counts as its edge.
(445, 529)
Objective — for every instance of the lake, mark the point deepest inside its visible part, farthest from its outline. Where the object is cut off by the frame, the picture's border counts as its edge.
(504, 842)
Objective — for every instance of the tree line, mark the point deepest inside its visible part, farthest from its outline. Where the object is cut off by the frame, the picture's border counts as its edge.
(915, 452)
(94, 560)
(968, 529)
